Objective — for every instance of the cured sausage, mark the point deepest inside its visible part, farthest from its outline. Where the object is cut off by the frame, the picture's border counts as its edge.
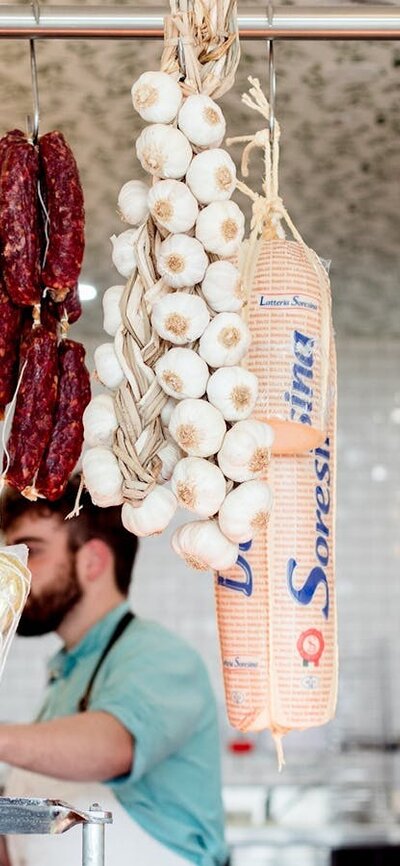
(9, 138)
(276, 607)
(34, 411)
(70, 308)
(290, 301)
(10, 330)
(28, 324)
(66, 312)
(67, 437)
(64, 201)
(19, 221)
(47, 318)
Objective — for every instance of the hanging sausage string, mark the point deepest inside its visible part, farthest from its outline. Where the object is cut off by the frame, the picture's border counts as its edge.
(44, 384)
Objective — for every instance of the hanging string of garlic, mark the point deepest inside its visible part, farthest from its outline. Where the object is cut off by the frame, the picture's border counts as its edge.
(178, 396)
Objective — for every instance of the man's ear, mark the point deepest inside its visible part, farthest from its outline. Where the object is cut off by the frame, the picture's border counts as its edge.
(93, 560)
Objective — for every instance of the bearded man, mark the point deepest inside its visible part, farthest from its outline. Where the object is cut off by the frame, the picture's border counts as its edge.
(129, 717)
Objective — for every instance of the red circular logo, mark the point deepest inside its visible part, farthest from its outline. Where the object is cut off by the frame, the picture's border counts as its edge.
(311, 645)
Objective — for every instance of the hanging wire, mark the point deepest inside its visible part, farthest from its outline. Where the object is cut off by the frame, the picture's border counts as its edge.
(181, 58)
(181, 6)
(33, 121)
(271, 77)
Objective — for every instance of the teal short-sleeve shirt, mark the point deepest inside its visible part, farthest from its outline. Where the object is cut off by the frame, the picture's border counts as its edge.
(158, 687)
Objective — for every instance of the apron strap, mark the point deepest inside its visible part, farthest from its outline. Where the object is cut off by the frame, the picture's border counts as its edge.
(118, 631)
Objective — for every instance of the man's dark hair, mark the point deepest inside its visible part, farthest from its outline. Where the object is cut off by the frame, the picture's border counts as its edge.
(92, 522)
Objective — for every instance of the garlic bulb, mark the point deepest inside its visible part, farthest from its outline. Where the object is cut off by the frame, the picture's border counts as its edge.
(169, 454)
(220, 228)
(166, 412)
(173, 206)
(153, 515)
(233, 390)
(198, 485)
(211, 176)
(163, 151)
(180, 317)
(197, 427)
(222, 287)
(108, 367)
(245, 511)
(246, 450)
(102, 476)
(111, 309)
(203, 546)
(202, 121)
(99, 420)
(181, 261)
(225, 341)
(182, 373)
(132, 202)
(123, 254)
(156, 97)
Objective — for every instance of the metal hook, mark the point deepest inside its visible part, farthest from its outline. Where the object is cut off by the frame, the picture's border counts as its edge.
(33, 122)
(181, 58)
(272, 77)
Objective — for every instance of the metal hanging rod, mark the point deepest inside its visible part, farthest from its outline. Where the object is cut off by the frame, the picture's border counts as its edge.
(122, 22)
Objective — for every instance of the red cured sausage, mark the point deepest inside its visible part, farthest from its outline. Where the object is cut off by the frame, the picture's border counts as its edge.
(70, 308)
(67, 437)
(48, 318)
(9, 138)
(27, 325)
(10, 330)
(26, 335)
(19, 222)
(64, 202)
(34, 412)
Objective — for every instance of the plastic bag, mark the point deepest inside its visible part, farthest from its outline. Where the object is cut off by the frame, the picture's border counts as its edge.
(15, 581)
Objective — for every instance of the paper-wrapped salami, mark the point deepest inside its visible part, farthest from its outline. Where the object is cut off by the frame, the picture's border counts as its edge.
(289, 321)
(276, 608)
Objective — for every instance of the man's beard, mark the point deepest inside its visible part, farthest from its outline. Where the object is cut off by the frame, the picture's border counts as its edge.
(45, 612)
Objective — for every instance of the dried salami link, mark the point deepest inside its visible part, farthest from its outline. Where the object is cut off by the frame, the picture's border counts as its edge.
(26, 336)
(9, 138)
(20, 222)
(28, 326)
(34, 411)
(64, 201)
(70, 308)
(48, 319)
(10, 331)
(67, 438)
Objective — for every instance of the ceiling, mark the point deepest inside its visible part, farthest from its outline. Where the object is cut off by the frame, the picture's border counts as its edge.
(339, 108)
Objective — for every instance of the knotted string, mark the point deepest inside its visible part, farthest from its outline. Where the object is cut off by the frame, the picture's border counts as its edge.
(269, 211)
(77, 504)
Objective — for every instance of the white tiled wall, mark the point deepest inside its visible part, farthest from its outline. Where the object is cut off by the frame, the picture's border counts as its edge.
(368, 576)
